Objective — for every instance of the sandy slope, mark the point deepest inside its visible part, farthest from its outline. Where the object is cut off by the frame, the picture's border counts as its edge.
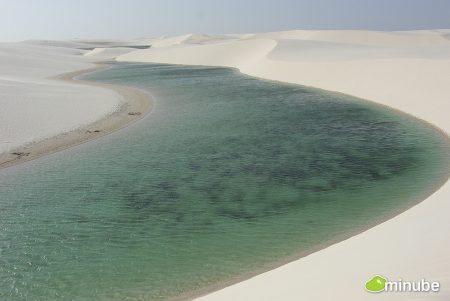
(34, 107)
(409, 71)
(101, 53)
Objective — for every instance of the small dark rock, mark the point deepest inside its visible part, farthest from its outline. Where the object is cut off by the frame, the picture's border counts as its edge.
(20, 154)
(134, 113)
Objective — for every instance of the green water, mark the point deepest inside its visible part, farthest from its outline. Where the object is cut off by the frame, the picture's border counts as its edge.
(228, 174)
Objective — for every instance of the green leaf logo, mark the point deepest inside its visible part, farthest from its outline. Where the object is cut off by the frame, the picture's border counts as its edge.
(376, 284)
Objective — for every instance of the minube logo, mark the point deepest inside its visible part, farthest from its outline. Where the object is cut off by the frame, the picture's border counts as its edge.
(378, 284)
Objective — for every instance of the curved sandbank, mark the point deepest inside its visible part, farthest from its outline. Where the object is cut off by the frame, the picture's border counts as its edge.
(66, 113)
(136, 104)
(33, 106)
(407, 71)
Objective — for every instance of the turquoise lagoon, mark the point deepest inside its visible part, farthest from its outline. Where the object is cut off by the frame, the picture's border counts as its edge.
(229, 175)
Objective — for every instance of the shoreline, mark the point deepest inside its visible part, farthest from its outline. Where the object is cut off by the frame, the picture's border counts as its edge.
(136, 105)
(223, 290)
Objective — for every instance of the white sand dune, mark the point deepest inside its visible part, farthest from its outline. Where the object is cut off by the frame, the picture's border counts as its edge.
(230, 54)
(34, 107)
(192, 39)
(409, 71)
(107, 53)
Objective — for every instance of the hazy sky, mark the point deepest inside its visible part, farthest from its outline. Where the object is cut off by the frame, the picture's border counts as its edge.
(67, 19)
